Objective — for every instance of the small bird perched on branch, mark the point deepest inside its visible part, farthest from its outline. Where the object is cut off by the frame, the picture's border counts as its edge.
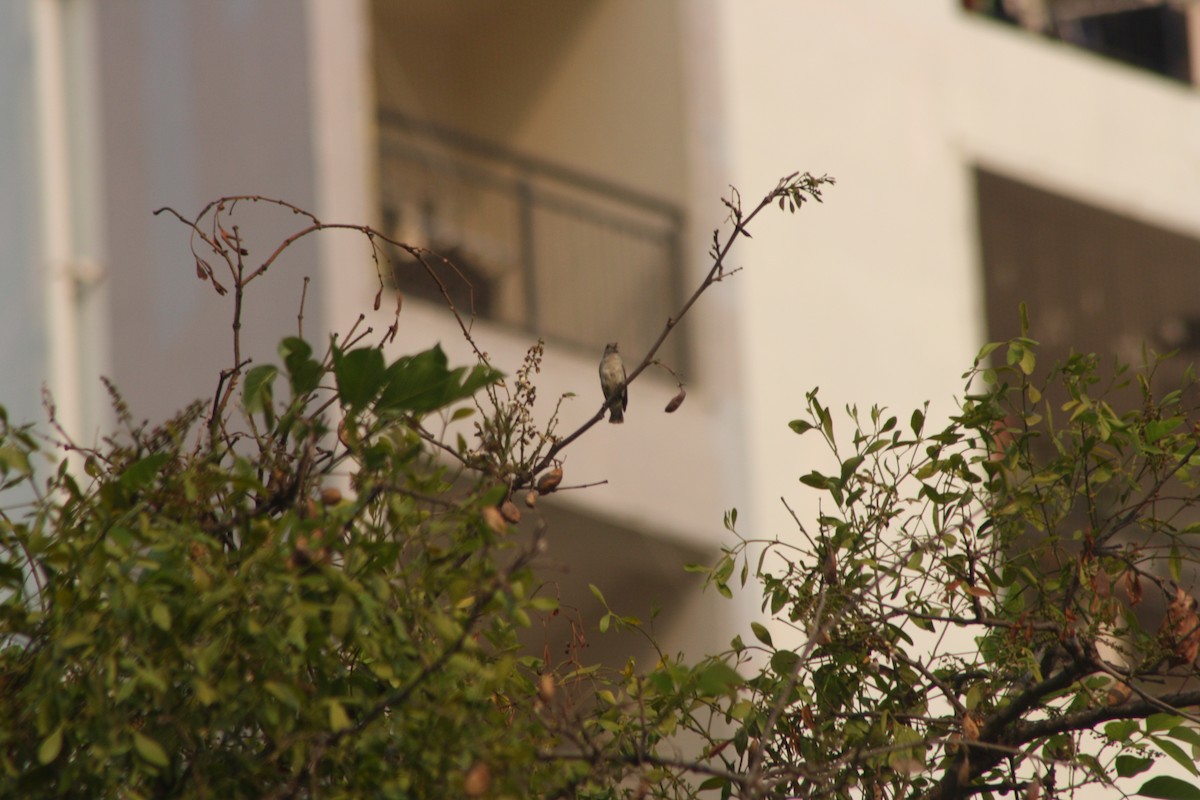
(612, 382)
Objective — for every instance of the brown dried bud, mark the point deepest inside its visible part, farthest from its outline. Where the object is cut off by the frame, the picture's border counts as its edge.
(510, 512)
(531, 498)
(806, 716)
(1033, 790)
(829, 567)
(347, 435)
(1131, 584)
(676, 401)
(478, 780)
(331, 496)
(1118, 693)
(1180, 629)
(546, 688)
(494, 519)
(970, 727)
(550, 481)
(301, 556)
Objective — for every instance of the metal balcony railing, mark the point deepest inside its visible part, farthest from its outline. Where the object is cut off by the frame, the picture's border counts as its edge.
(569, 257)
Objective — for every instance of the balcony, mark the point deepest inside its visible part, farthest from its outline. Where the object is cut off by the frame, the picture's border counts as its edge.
(573, 258)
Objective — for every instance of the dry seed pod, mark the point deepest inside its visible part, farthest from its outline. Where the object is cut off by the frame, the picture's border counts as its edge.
(331, 496)
(477, 781)
(510, 512)
(531, 498)
(546, 688)
(550, 481)
(676, 401)
(494, 519)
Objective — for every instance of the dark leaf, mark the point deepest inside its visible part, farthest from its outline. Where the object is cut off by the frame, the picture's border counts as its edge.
(1167, 788)
(360, 376)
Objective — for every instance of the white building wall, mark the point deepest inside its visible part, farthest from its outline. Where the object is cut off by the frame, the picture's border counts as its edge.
(876, 296)
(198, 101)
(23, 347)
(872, 296)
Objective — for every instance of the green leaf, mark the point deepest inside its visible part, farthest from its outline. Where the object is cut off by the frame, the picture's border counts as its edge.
(850, 466)
(205, 693)
(339, 720)
(917, 422)
(718, 678)
(1165, 787)
(1185, 734)
(297, 632)
(284, 693)
(149, 749)
(421, 383)
(161, 616)
(304, 373)
(1028, 361)
(340, 615)
(51, 746)
(1176, 753)
(1128, 766)
(800, 426)
(12, 458)
(75, 639)
(544, 604)
(143, 471)
(257, 390)
(1162, 722)
(1157, 429)
(360, 376)
(783, 663)
(987, 350)
(817, 481)
(1121, 730)
(761, 633)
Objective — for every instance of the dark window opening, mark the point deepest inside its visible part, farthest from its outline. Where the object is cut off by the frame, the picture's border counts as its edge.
(1148, 35)
(1093, 280)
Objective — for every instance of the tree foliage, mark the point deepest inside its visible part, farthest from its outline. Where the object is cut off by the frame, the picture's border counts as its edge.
(998, 606)
(315, 585)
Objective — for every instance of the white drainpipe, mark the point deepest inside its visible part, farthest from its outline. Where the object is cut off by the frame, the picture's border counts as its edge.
(68, 206)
